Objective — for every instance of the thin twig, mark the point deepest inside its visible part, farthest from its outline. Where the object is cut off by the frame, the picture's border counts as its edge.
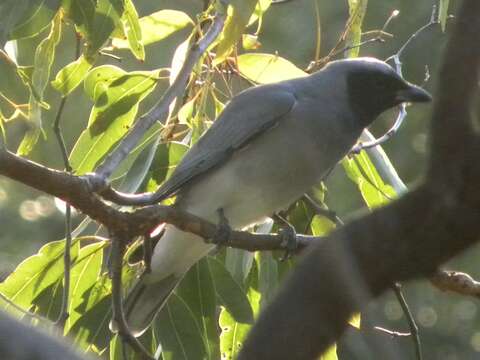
(322, 210)
(397, 289)
(63, 315)
(160, 109)
(336, 50)
(392, 333)
(118, 317)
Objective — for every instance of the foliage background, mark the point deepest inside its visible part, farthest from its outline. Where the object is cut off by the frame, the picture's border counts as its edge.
(449, 324)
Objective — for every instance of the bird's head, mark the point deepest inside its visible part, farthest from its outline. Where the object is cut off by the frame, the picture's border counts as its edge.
(373, 87)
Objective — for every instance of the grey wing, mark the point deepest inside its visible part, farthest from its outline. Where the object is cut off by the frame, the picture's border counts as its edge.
(248, 115)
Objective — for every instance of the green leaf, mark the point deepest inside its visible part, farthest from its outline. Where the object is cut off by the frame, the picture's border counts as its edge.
(238, 263)
(107, 18)
(186, 112)
(167, 157)
(44, 56)
(267, 276)
(98, 79)
(35, 19)
(250, 42)
(71, 75)
(198, 292)
(49, 302)
(157, 26)
(321, 226)
(11, 12)
(355, 320)
(330, 353)
(178, 332)
(91, 330)
(13, 89)
(233, 333)
(267, 68)
(363, 173)
(84, 274)
(138, 162)
(231, 293)
(115, 108)
(443, 13)
(82, 13)
(239, 14)
(353, 36)
(133, 30)
(36, 273)
(260, 9)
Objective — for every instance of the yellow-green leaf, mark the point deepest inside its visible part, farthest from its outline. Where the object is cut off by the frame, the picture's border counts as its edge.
(133, 30)
(157, 26)
(71, 75)
(355, 320)
(267, 68)
(330, 353)
(44, 56)
(239, 13)
(84, 274)
(36, 273)
(115, 108)
(357, 10)
(443, 13)
(107, 19)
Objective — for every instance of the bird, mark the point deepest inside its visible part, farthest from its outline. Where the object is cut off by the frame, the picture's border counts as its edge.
(269, 146)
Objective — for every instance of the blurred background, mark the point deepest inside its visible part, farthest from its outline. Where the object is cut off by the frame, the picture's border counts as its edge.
(449, 324)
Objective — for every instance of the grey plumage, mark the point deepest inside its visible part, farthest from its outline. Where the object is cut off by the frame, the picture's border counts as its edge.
(269, 146)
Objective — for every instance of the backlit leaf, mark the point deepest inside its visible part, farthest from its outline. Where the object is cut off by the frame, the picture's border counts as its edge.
(36, 273)
(178, 332)
(133, 30)
(106, 19)
(166, 159)
(353, 36)
(35, 19)
(84, 274)
(157, 26)
(71, 75)
(198, 292)
(239, 13)
(115, 109)
(267, 68)
(443, 13)
(231, 293)
(44, 56)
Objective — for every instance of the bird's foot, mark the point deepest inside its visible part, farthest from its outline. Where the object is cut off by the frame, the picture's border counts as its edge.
(222, 235)
(289, 237)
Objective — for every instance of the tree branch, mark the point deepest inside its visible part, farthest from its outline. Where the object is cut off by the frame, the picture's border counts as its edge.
(407, 239)
(118, 317)
(78, 192)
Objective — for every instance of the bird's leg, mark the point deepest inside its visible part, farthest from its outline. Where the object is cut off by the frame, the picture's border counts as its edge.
(289, 235)
(222, 235)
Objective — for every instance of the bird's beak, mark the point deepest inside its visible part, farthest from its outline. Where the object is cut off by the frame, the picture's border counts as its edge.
(412, 93)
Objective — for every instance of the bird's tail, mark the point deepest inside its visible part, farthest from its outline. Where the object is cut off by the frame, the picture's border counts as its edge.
(144, 300)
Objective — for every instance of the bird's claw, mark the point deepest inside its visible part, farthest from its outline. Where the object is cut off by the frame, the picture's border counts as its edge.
(222, 235)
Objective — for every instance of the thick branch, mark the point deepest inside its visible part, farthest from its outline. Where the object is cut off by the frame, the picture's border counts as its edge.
(457, 282)
(407, 239)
